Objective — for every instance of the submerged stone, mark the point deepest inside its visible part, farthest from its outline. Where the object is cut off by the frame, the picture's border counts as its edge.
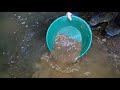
(112, 30)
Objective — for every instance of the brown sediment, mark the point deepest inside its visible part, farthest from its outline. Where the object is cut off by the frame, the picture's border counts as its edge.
(61, 62)
(66, 49)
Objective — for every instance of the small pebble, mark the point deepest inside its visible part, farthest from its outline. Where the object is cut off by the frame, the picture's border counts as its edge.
(19, 17)
(12, 62)
(26, 26)
(87, 73)
(3, 53)
(14, 14)
(36, 22)
(115, 56)
(99, 27)
(33, 25)
(17, 56)
(104, 40)
(23, 23)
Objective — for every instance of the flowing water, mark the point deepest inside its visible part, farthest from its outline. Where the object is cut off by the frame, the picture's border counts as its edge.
(23, 50)
(63, 59)
(94, 65)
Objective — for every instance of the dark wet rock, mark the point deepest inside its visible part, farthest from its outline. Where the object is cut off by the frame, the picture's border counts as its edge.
(95, 19)
(102, 17)
(103, 40)
(117, 20)
(111, 19)
(112, 30)
(76, 13)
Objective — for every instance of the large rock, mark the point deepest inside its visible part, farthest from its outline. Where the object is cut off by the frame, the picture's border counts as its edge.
(112, 29)
(102, 17)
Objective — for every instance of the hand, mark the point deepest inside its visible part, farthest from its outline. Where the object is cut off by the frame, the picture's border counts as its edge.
(69, 15)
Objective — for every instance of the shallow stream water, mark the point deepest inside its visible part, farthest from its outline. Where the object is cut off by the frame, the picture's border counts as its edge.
(22, 43)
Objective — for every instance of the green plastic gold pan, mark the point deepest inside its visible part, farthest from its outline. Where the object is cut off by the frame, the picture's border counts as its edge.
(77, 29)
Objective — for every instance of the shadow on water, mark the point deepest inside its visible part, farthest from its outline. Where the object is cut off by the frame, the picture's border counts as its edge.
(22, 42)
